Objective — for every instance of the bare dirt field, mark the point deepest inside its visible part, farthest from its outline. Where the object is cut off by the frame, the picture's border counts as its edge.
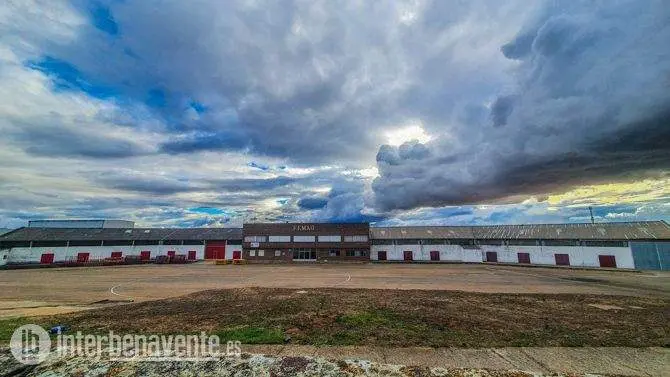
(394, 318)
(56, 290)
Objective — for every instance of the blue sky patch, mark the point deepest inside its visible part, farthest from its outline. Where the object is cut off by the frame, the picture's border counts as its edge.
(208, 210)
(103, 20)
(65, 76)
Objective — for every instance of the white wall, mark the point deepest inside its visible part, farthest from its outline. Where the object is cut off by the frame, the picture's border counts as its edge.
(449, 253)
(230, 248)
(61, 254)
(585, 256)
(4, 257)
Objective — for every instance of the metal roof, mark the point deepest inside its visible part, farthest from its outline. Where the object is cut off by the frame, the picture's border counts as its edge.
(422, 232)
(647, 230)
(121, 234)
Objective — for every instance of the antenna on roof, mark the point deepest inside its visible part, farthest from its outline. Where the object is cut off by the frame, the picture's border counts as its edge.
(591, 211)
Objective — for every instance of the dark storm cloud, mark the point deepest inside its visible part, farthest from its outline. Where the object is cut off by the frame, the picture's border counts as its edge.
(314, 82)
(312, 203)
(51, 137)
(591, 107)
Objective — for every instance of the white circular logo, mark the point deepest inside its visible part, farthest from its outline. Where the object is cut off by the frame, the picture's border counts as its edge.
(30, 344)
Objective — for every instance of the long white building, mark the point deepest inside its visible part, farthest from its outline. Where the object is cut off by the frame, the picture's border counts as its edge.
(630, 245)
(641, 245)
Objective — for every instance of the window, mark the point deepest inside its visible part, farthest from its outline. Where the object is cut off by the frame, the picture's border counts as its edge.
(522, 242)
(91, 243)
(462, 242)
(605, 243)
(433, 242)
(334, 253)
(279, 239)
(491, 242)
(303, 238)
(408, 241)
(305, 254)
(119, 243)
(277, 253)
(261, 253)
(358, 238)
(252, 253)
(330, 238)
(49, 243)
(560, 243)
(351, 253)
(382, 242)
(255, 239)
(138, 242)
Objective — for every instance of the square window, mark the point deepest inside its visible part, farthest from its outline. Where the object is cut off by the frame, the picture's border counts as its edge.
(261, 253)
(252, 253)
(277, 253)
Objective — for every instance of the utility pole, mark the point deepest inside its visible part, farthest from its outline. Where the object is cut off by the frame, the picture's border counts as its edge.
(591, 211)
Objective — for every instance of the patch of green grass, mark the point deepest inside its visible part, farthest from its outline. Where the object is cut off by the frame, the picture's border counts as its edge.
(8, 325)
(252, 335)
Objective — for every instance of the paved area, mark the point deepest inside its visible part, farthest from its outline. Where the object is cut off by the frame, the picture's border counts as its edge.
(544, 360)
(55, 290)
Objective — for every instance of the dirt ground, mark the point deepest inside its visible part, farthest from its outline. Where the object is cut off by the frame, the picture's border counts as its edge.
(393, 318)
(57, 290)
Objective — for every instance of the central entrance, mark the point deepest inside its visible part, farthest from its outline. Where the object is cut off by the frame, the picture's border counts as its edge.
(304, 254)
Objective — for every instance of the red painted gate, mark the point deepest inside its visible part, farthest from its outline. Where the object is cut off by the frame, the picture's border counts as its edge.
(145, 255)
(492, 256)
(607, 261)
(523, 257)
(562, 259)
(237, 254)
(434, 255)
(408, 255)
(171, 253)
(82, 257)
(381, 255)
(47, 258)
(117, 254)
(215, 250)
(191, 255)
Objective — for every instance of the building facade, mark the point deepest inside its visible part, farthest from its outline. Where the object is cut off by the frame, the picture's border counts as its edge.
(306, 242)
(639, 245)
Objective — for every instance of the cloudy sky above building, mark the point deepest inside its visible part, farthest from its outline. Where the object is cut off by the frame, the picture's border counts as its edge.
(211, 113)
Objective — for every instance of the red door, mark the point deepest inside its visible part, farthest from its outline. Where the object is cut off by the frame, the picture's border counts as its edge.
(408, 255)
(191, 255)
(171, 253)
(381, 255)
(434, 255)
(523, 257)
(492, 256)
(145, 255)
(215, 250)
(117, 254)
(47, 258)
(607, 261)
(82, 257)
(237, 254)
(562, 259)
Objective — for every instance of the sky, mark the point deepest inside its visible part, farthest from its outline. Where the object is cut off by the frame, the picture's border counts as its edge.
(443, 112)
